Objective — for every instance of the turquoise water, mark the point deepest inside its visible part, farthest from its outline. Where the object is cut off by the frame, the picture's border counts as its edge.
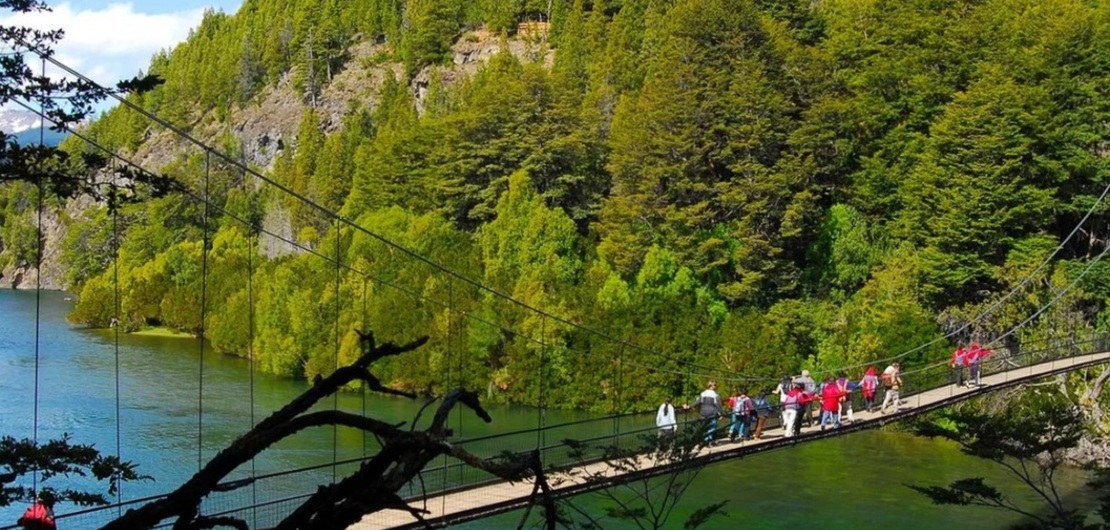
(168, 426)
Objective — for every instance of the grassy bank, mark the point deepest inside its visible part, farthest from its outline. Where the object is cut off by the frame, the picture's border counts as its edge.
(162, 332)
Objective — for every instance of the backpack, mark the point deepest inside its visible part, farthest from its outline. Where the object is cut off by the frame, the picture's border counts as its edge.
(762, 406)
(888, 379)
(869, 383)
(743, 405)
(842, 389)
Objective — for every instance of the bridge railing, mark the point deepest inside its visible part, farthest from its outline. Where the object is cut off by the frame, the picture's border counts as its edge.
(1008, 361)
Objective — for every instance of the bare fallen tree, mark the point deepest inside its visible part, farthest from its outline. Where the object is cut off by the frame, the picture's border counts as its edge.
(372, 488)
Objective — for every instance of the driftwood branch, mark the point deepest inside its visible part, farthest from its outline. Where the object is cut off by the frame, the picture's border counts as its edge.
(373, 487)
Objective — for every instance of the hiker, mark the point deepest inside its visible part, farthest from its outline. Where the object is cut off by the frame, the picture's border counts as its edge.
(804, 403)
(762, 411)
(830, 403)
(40, 516)
(790, 406)
(959, 361)
(975, 359)
(786, 384)
(845, 387)
(665, 420)
(809, 386)
(709, 406)
(741, 412)
(892, 381)
(869, 383)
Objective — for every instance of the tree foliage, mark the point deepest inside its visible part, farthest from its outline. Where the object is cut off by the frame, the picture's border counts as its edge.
(743, 185)
(1029, 439)
(28, 467)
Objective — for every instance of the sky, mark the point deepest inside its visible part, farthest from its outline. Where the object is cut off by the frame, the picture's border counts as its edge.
(113, 40)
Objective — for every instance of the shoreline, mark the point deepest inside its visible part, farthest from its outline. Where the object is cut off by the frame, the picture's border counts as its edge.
(160, 331)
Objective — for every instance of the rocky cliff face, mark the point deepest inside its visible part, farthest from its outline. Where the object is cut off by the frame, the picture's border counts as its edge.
(267, 126)
(25, 275)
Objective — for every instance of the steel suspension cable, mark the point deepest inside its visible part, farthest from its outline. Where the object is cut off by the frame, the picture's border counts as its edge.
(203, 314)
(1025, 281)
(250, 359)
(362, 385)
(117, 311)
(335, 395)
(1060, 294)
(39, 234)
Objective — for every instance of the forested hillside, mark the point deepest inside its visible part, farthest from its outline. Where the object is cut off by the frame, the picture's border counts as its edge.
(751, 185)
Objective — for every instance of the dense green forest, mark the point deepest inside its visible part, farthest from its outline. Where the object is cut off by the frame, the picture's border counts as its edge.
(742, 187)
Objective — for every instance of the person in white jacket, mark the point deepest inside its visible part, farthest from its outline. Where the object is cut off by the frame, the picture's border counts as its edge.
(665, 419)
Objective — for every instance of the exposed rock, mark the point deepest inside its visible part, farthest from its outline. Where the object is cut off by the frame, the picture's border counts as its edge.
(276, 222)
(268, 125)
(25, 276)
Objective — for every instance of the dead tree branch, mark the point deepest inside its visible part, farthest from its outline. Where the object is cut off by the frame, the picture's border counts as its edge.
(372, 488)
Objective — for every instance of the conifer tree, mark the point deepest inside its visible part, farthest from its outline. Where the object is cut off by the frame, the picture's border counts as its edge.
(694, 154)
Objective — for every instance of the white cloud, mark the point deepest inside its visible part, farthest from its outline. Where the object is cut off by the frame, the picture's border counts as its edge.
(112, 43)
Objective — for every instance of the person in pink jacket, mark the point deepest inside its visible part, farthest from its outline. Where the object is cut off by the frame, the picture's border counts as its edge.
(869, 383)
(830, 403)
(975, 357)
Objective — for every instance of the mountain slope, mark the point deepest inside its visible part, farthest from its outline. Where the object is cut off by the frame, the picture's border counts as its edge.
(735, 187)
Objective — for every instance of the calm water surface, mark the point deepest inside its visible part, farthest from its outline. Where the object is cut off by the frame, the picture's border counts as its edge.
(171, 418)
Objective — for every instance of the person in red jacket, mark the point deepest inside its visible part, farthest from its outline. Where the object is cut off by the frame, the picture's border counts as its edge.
(830, 403)
(869, 383)
(975, 357)
(804, 400)
(40, 516)
(959, 361)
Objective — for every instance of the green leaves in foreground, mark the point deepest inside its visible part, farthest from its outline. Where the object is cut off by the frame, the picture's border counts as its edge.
(1029, 439)
(20, 459)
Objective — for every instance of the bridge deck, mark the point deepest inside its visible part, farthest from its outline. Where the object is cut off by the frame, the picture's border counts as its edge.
(445, 508)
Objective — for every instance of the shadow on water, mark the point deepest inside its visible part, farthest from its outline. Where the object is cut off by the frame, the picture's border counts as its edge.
(856, 481)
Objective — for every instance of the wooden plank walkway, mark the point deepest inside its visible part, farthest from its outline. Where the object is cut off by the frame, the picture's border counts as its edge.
(450, 506)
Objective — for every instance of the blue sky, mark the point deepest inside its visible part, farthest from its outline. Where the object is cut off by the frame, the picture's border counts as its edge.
(113, 40)
(156, 6)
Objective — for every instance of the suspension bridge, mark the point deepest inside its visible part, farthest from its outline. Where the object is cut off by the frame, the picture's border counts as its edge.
(453, 492)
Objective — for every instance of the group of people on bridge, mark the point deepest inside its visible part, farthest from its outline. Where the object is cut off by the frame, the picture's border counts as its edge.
(799, 396)
(970, 359)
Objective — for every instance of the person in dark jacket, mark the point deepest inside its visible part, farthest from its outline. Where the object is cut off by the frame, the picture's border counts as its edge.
(762, 410)
(709, 406)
